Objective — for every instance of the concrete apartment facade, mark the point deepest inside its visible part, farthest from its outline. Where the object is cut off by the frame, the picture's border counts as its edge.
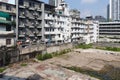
(55, 2)
(91, 32)
(77, 29)
(7, 24)
(57, 27)
(109, 31)
(37, 21)
(30, 18)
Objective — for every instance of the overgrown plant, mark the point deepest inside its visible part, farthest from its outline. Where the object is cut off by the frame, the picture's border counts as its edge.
(51, 55)
(2, 70)
(23, 64)
(44, 56)
(84, 46)
(109, 48)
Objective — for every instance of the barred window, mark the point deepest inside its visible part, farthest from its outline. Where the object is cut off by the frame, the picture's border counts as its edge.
(8, 41)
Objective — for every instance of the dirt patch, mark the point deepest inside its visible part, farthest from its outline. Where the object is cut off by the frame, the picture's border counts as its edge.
(89, 58)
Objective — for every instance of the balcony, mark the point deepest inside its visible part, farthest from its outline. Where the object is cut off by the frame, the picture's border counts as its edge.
(31, 8)
(39, 10)
(39, 34)
(31, 26)
(21, 6)
(5, 22)
(6, 32)
(50, 18)
(26, 6)
(47, 33)
(75, 36)
(46, 25)
(31, 35)
(22, 26)
(39, 26)
(22, 34)
(53, 39)
(75, 21)
(75, 31)
(39, 18)
(47, 40)
(35, 14)
(21, 16)
(31, 17)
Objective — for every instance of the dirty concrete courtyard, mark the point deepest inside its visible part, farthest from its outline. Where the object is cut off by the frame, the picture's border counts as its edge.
(52, 69)
(89, 58)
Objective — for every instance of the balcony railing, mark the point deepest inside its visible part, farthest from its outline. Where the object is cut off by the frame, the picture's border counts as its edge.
(6, 32)
(39, 10)
(39, 18)
(31, 26)
(39, 34)
(21, 16)
(31, 8)
(39, 26)
(21, 6)
(21, 25)
(5, 22)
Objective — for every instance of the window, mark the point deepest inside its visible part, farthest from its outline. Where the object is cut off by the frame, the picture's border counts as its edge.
(59, 35)
(0, 6)
(46, 22)
(31, 4)
(40, 6)
(8, 41)
(48, 15)
(8, 28)
(21, 2)
(53, 15)
(8, 7)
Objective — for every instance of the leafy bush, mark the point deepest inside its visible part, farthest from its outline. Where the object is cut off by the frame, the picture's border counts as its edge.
(51, 55)
(44, 56)
(84, 46)
(112, 48)
(23, 64)
(2, 70)
(109, 48)
(47, 56)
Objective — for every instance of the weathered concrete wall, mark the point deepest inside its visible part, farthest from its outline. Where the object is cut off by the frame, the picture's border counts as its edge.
(59, 48)
(8, 55)
(107, 44)
(31, 48)
(12, 55)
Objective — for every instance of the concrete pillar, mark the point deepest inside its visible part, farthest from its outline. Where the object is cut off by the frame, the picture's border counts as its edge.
(17, 20)
(43, 21)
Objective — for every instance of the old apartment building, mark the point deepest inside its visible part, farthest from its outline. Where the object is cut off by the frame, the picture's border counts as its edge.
(7, 24)
(30, 18)
(37, 21)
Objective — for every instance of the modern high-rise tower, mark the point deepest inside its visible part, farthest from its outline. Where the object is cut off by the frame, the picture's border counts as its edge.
(55, 2)
(115, 10)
